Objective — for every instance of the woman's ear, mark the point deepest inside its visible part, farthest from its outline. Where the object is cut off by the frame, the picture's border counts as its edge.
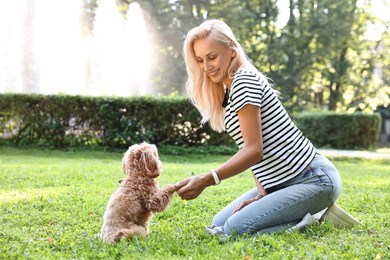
(234, 53)
(233, 49)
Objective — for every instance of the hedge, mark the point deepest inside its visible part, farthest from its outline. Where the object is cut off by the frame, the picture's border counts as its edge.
(114, 122)
(64, 120)
(341, 130)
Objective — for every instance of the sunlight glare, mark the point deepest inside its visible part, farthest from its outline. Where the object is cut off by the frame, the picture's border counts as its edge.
(44, 49)
(58, 46)
(10, 45)
(137, 41)
(31, 194)
(120, 51)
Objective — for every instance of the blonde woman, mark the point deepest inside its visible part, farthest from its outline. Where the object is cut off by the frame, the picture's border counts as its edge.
(291, 178)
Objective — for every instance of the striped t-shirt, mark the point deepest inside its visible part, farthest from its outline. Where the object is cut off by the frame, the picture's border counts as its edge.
(286, 152)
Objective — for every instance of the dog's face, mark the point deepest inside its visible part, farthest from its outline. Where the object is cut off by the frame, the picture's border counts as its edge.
(142, 159)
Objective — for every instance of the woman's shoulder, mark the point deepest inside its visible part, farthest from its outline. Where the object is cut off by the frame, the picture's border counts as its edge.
(249, 75)
(248, 71)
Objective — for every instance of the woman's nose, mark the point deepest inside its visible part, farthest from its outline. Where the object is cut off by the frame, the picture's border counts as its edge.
(207, 66)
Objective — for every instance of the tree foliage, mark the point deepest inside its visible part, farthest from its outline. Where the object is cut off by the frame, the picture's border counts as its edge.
(319, 60)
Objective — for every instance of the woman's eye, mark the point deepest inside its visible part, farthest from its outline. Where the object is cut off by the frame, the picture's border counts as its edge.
(212, 57)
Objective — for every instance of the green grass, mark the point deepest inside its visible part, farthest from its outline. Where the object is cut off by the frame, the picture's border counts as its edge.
(52, 202)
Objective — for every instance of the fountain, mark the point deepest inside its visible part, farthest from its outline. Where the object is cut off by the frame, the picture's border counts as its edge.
(43, 49)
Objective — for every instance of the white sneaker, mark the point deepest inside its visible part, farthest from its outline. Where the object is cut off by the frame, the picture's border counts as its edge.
(215, 230)
(307, 220)
(339, 217)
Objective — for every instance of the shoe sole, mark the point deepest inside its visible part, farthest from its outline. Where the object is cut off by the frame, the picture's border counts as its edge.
(339, 217)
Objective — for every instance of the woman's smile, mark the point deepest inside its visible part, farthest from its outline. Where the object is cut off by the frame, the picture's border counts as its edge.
(213, 73)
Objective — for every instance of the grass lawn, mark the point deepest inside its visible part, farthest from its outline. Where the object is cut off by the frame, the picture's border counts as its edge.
(52, 202)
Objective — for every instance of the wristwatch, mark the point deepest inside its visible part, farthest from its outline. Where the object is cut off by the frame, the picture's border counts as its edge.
(215, 177)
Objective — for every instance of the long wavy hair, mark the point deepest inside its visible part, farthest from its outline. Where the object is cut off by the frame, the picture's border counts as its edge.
(206, 95)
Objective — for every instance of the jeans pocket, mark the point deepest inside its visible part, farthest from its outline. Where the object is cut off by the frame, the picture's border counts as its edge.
(312, 175)
(330, 176)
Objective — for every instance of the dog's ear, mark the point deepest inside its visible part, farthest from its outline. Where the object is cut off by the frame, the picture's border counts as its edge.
(130, 160)
(126, 163)
(150, 162)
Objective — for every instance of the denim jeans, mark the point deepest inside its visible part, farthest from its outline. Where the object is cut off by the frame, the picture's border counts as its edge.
(312, 190)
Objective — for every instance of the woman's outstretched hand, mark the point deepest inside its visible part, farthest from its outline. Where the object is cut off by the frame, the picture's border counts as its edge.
(190, 188)
(246, 203)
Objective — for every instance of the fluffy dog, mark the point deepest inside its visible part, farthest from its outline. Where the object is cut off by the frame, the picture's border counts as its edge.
(137, 199)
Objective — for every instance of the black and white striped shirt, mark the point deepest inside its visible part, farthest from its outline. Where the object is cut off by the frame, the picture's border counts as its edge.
(286, 152)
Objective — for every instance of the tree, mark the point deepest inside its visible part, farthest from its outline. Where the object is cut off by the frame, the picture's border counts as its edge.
(348, 62)
(328, 56)
(319, 60)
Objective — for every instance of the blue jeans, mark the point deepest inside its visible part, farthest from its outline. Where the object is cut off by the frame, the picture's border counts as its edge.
(314, 189)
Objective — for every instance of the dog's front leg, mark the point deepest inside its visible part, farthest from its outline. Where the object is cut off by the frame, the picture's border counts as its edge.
(160, 200)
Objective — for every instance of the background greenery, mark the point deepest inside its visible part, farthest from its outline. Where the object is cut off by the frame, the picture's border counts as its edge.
(63, 121)
(340, 130)
(52, 202)
(321, 58)
(76, 121)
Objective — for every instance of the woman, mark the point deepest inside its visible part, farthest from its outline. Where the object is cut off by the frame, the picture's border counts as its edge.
(291, 178)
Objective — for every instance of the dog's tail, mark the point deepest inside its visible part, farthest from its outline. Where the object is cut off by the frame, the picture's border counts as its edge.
(129, 233)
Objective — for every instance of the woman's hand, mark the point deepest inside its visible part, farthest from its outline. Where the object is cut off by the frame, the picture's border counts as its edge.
(190, 188)
(246, 203)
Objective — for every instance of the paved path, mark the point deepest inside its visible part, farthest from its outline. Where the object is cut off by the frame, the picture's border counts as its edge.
(359, 154)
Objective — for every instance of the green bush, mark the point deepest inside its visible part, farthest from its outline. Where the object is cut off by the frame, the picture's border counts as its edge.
(114, 122)
(341, 130)
(63, 121)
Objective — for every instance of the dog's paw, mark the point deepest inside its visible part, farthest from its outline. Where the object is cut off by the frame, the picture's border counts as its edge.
(170, 188)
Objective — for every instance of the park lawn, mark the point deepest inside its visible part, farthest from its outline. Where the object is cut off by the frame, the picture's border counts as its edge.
(52, 202)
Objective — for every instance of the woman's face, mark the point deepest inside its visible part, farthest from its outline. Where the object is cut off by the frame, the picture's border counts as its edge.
(214, 58)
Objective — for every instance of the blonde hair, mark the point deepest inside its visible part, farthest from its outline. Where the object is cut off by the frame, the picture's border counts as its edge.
(206, 95)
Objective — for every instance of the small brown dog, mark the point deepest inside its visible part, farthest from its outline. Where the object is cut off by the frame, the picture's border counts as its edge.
(132, 206)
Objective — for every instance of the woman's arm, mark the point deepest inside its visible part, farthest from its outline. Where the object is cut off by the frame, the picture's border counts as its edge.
(262, 193)
(260, 187)
(251, 153)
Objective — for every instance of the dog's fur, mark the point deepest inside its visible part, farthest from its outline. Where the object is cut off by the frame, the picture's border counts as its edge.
(132, 206)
